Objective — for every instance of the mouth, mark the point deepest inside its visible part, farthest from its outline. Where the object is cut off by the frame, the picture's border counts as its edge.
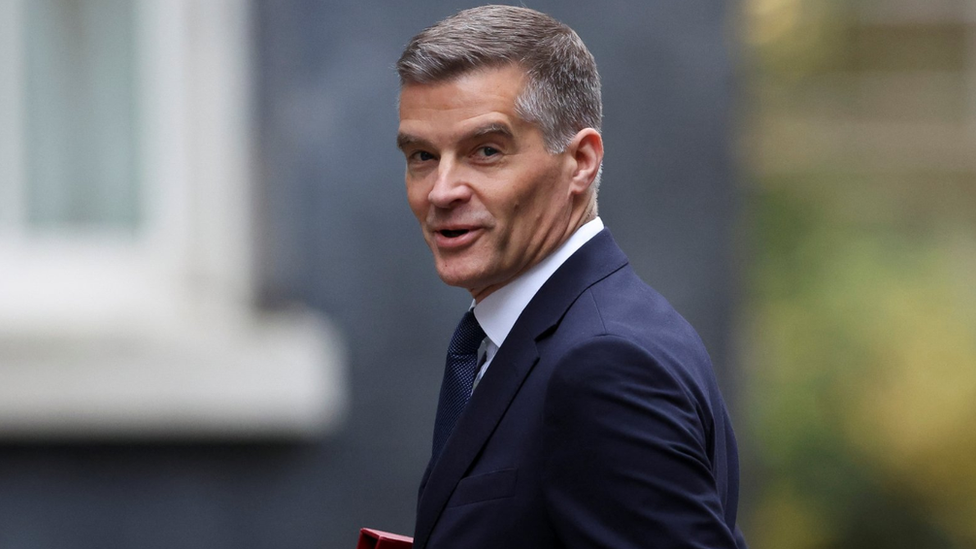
(453, 233)
(455, 238)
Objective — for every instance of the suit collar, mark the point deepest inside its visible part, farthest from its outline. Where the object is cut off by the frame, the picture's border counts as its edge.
(594, 261)
(498, 312)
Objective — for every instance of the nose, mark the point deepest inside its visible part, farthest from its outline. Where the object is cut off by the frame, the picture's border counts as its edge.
(450, 187)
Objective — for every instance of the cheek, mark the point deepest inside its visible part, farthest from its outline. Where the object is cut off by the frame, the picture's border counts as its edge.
(417, 198)
(540, 199)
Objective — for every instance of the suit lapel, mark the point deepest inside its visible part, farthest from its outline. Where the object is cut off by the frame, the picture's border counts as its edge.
(485, 409)
(511, 365)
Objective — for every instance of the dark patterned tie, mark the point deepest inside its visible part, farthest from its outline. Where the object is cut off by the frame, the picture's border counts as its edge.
(459, 374)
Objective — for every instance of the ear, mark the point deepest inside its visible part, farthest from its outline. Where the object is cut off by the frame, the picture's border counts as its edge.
(586, 151)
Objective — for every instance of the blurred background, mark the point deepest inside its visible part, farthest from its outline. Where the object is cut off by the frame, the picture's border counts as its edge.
(857, 135)
(220, 327)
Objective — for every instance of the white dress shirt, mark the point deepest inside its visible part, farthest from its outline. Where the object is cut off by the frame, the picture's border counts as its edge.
(498, 312)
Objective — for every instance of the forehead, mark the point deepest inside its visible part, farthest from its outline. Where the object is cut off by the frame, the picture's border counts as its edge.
(472, 96)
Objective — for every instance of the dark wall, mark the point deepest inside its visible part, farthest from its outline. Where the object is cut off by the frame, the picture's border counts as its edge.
(337, 234)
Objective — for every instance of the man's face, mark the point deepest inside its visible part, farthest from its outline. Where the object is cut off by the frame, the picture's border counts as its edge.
(490, 199)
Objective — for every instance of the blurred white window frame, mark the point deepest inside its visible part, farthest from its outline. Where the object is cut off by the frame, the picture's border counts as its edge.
(154, 333)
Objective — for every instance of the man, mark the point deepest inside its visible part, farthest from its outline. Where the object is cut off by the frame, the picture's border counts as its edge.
(578, 408)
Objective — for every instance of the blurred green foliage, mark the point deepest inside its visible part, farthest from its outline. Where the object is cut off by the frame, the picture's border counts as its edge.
(862, 356)
(860, 316)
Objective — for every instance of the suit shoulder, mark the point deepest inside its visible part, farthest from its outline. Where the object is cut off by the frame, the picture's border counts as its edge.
(622, 326)
(623, 305)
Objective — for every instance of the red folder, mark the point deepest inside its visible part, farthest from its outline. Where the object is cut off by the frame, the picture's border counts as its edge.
(376, 539)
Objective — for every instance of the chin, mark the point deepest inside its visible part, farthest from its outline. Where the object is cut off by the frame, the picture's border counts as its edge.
(456, 280)
(452, 275)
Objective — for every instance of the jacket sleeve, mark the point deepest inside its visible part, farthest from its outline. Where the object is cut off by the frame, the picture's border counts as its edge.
(627, 439)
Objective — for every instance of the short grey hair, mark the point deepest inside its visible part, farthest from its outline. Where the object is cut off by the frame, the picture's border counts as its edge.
(562, 93)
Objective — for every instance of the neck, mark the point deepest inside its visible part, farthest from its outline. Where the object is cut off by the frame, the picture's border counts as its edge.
(578, 218)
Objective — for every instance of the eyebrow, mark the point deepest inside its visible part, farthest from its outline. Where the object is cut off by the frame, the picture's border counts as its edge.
(490, 129)
(404, 140)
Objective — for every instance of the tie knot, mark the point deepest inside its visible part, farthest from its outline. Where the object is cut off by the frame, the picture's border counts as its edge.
(468, 336)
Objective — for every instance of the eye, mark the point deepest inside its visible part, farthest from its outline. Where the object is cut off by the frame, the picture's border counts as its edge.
(488, 151)
(421, 156)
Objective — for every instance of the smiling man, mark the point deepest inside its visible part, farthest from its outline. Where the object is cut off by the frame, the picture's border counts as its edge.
(578, 409)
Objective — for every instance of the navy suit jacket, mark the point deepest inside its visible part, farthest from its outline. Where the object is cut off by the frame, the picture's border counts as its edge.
(598, 424)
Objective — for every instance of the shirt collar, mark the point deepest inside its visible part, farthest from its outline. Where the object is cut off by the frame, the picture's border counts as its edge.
(498, 312)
